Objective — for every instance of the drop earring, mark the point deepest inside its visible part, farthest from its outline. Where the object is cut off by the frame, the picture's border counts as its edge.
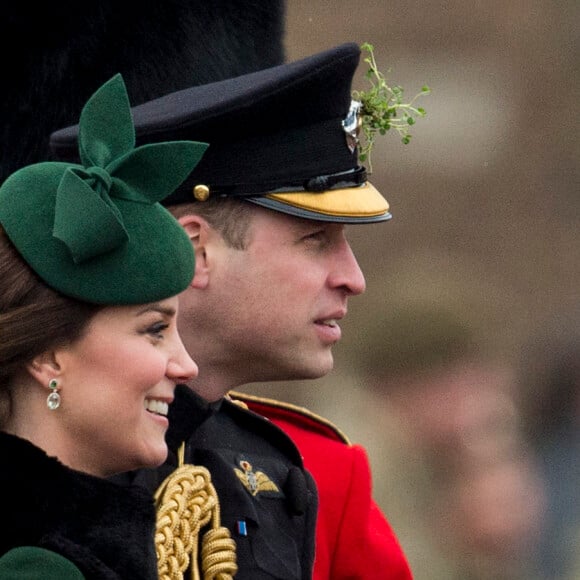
(53, 400)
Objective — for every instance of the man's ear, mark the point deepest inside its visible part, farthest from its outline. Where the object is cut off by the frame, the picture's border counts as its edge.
(44, 367)
(198, 231)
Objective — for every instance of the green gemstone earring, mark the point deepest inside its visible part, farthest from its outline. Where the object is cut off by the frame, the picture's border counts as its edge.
(53, 400)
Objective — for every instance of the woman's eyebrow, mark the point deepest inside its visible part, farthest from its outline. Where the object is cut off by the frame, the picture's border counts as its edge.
(166, 310)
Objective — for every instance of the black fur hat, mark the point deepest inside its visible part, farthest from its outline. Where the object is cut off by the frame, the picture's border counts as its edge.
(55, 55)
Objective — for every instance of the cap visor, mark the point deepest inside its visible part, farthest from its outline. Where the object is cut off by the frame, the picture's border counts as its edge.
(362, 204)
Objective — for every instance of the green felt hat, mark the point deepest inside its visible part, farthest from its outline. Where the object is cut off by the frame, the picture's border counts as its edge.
(96, 231)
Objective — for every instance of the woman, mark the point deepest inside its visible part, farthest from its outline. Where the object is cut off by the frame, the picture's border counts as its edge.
(90, 269)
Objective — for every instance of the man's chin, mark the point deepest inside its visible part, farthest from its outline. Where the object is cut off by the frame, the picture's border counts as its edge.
(316, 370)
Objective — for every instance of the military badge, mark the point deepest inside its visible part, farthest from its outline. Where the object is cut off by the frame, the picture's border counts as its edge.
(254, 481)
(352, 125)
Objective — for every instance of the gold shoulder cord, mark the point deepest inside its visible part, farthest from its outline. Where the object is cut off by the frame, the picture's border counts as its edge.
(186, 501)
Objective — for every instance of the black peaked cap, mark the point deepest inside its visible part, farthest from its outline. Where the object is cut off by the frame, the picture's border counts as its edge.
(276, 138)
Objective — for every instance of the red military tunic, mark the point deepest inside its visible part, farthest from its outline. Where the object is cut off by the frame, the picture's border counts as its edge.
(353, 538)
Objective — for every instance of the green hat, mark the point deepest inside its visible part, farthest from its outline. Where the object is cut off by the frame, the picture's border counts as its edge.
(96, 231)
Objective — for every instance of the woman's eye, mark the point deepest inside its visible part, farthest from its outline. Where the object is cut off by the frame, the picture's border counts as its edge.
(157, 329)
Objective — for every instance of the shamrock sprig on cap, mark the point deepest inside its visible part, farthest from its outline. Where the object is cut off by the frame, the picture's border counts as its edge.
(383, 108)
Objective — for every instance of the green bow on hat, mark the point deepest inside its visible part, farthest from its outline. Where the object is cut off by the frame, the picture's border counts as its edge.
(96, 231)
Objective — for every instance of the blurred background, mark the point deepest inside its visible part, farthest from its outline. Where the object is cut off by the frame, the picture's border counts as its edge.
(459, 367)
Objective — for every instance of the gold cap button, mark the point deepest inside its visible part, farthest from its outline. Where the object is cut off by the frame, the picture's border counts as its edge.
(201, 192)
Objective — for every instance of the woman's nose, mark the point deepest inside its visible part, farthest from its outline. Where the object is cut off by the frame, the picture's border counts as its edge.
(182, 367)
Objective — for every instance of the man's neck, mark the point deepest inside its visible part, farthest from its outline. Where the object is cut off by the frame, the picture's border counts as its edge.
(211, 388)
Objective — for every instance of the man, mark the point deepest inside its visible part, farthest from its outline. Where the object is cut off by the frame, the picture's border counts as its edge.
(266, 211)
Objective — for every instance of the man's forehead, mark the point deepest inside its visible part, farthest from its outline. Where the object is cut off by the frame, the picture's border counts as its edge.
(291, 222)
(274, 224)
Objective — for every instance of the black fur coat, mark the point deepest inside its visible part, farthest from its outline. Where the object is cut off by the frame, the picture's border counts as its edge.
(105, 529)
(54, 55)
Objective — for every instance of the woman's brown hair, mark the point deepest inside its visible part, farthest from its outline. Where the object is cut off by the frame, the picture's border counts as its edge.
(33, 317)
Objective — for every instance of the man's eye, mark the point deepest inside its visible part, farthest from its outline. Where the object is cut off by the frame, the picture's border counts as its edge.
(320, 238)
(321, 235)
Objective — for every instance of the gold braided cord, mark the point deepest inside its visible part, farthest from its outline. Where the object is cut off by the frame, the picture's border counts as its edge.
(186, 502)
